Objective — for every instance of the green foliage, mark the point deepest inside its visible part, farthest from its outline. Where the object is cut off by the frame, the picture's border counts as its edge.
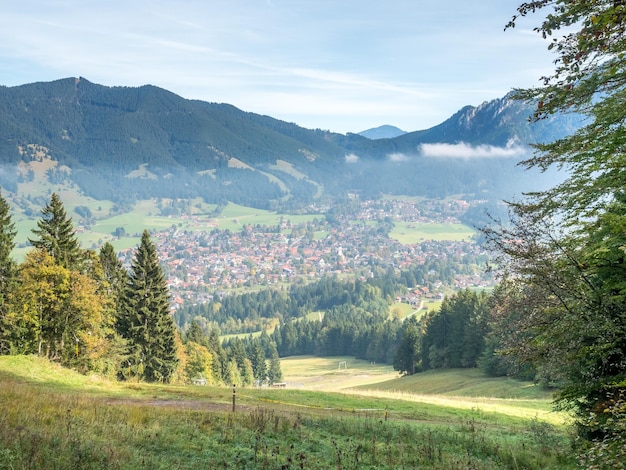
(565, 301)
(58, 313)
(454, 335)
(274, 372)
(407, 358)
(7, 268)
(55, 234)
(114, 274)
(77, 423)
(146, 321)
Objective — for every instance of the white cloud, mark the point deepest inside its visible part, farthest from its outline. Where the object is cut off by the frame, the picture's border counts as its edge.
(463, 150)
(352, 158)
(397, 157)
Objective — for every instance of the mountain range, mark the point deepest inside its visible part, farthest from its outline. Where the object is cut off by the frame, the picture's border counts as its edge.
(382, 132)
(126, 144)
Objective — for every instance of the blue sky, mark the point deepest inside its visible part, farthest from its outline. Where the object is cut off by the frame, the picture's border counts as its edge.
(341, 65)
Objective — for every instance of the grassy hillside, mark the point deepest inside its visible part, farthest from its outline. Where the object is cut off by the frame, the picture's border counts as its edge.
(53, 418)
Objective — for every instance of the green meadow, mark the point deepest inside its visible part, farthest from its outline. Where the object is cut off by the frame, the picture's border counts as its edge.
(51, 417)
(412, 232)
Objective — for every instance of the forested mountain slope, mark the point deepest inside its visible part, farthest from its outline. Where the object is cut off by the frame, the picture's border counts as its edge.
(188, 148)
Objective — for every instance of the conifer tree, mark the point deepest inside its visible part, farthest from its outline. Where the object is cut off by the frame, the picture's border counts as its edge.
(115, 275)
(407, 356)
(257, 358)
(55, 234)
(146, 321)
(220, 360)
(7, 268)
(196, 335)
(274, 372)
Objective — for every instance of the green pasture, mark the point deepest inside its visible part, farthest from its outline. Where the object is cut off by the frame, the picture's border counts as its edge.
(466, 382)
(461, 389)
(51, 417)
(409, 233)
(401, 310)
(234, 216)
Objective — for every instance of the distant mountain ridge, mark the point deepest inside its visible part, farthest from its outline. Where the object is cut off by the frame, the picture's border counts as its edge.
(102, 136)
(382, 132)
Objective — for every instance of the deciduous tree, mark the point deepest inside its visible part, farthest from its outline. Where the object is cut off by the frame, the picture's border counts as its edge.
(59, 314)
(565, 248)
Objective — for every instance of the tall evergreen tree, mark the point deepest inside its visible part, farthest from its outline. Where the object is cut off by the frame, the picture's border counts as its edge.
(115, 275)
(112, 267)
(7, 268)
(455, 334)
(257, 358)
(407, 356)
(146, 321)
(56, 235)
(274, 372)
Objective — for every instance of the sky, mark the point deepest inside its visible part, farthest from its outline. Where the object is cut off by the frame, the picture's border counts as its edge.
(338, 65)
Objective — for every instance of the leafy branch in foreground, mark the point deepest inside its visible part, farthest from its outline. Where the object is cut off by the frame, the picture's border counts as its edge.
(565, 252)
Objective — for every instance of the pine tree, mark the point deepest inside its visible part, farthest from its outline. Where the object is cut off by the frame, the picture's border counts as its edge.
(56, 234)
(146, 321)
(115, 275)
(220, 360)
(112, 267)
(274, 372)
(7, 268)
(196, 334)
(408, 353)
(259, 365)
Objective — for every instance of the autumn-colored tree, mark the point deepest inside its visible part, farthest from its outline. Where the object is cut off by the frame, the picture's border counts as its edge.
(199, 362)
(58, 313)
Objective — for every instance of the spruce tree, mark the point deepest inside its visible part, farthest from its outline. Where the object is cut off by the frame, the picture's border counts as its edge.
(146, 322)
(407, 356)
(7, 267)
(56, 236)
(259, 364)
(115, 275)
(274, 372)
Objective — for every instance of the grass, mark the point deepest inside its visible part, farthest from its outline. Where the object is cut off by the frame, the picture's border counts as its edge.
(403, 310)
(411, 232)
(54, 418)
(234, 216)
